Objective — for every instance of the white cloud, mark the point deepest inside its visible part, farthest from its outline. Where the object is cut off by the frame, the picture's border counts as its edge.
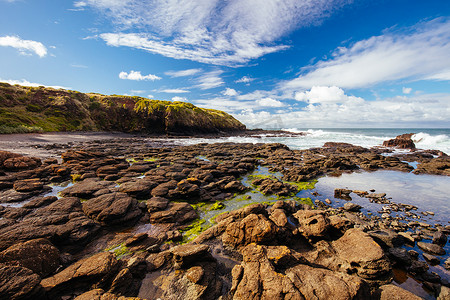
(210, 31)
(210, 80)
(181, 99)
(27, 83)
(245, 79)
(269, 102)
(150, 96)
(406, 90)
(421, 52)
(255, 95)
(419, 110)
(325, 94)
(175, 91)
(79, 66)
(230, 92)
(136, 75)
(183, 73)
(24, 46)
(134, 92)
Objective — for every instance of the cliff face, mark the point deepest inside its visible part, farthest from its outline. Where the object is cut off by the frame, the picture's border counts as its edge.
(25, 109)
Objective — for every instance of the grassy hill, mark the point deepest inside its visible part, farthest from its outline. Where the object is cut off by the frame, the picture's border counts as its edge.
(31, 109)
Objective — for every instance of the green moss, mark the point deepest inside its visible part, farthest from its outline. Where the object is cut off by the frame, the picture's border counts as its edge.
(217, 206)
(194, 229)
(118, 250)
(75, 177)
(307, 201)
(306, 185)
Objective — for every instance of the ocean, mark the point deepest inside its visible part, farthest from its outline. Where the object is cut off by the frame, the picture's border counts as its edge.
(424, 138)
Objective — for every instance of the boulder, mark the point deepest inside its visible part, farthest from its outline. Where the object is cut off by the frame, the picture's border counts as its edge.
(19, 283)
(140, 188)
(440, 238)
(95, 270)
(185, 255)
(156, 204)
(86, 188)
(359, 254)
(38, 255)
(349, 206)
(180, 212)
(312, 223)
(21, 163)
(403, 141)
(393, 292)
(63, 222)
(431, 248)
(28, 185)
(387, 238)
(251, 229)
(112, 209)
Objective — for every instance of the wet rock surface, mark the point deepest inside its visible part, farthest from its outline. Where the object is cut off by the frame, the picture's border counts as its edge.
(118, 229)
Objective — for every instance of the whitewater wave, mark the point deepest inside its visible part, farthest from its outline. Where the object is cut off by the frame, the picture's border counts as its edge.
(427, 141)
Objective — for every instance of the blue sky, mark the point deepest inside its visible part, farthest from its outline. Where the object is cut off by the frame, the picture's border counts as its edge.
(292, 63)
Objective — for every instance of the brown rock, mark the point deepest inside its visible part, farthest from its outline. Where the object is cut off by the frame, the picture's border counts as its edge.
(21, 163)
(86, 188)
(112, 209)
(38, 255)
(186, 255)
(84, 273)
(393, 292)
(28, 185)
(252, 229)
(180, 212)
(403, 141)
(140, 188)
(312, 223)
(360, 254)
(431, 248)
(19, 283)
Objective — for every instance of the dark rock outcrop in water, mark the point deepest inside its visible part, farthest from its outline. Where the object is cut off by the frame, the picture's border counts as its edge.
(25, 109)
(403, 141)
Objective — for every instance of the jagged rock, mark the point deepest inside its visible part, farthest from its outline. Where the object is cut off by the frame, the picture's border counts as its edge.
(312, 223)
(393, 292)
(63, 222)
(162, 190)
(431, 248)
(258, 278)
(447, 264)
(186, 255)
(19, 283)
(97, 269)
(400, 256)
(112, 209)
(387, 238)
(180, 212)
(38, 255)
(433, 260)
(21, 163)
(140, 188)
(156, 204)
(349, 206)
(342, 194)
(403, 141)
(87, 188)
(39, 202)
(440, 238)
(361, 255)
(28, 185)
(252, 229)
(444, 293)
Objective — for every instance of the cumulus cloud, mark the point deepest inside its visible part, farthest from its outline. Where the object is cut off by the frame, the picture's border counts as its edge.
(175, 91)
(24, 46)
(230, 92)
(33, 84)
(210, 80)
(181, 99)
(420, 52)
(406, 90)
(210, 31)
(269, 102)
(183, 73)
(428, 110)
(136, 75)
(325, 94)
(244, 79)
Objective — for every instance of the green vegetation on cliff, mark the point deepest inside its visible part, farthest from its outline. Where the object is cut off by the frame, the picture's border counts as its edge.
(31, 109)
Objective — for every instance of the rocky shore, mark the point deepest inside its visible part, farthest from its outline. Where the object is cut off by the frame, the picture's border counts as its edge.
(123, 218)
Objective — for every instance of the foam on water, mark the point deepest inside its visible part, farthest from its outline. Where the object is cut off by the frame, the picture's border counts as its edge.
(436, 139)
